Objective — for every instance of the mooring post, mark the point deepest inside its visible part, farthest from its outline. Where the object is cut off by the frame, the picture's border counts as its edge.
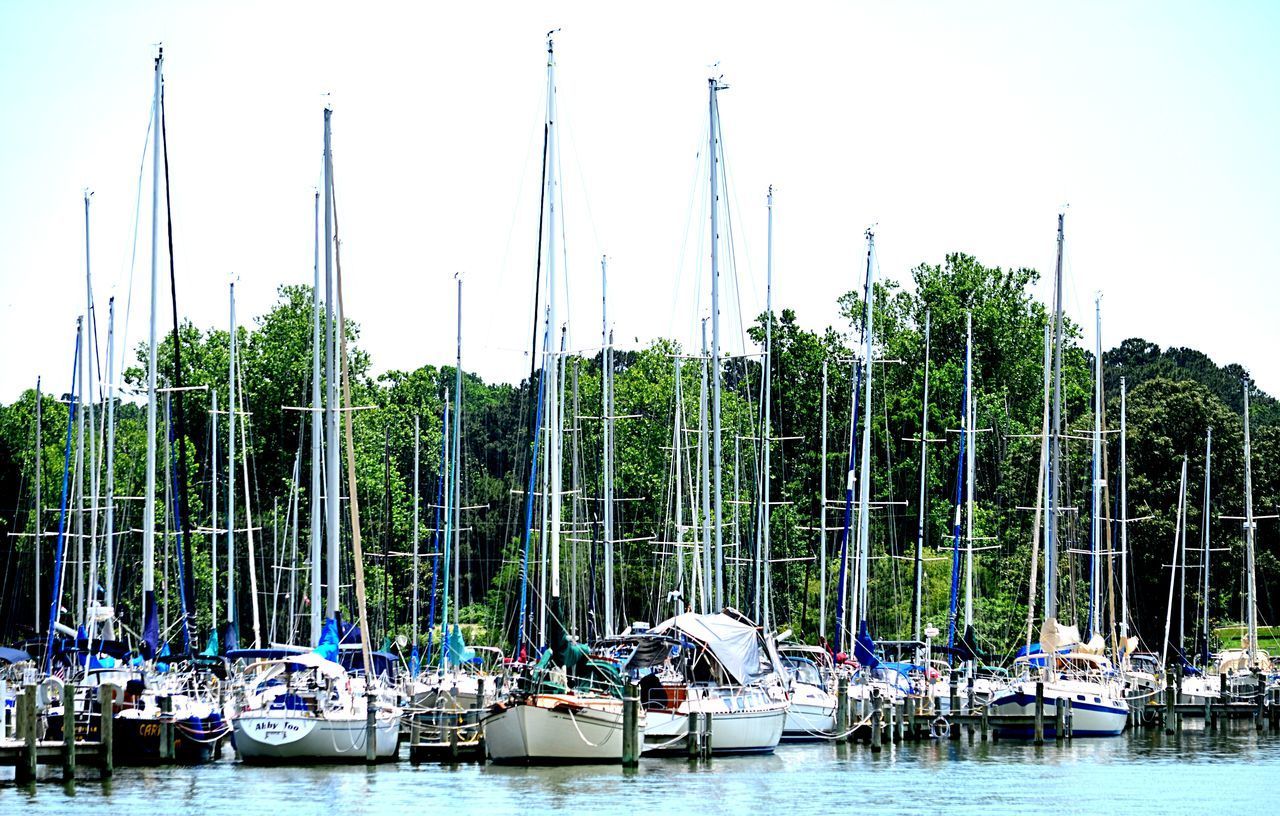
(955, 695)
(695, 723)
(1039, 717)
(630, 725)
(453, 739)
(1261, 686)
(69, 732)
(25, 770)
(106, 728)
(877, 721)
(899, 721)
(985, 724)
(706, 735)
(1070, 719)
(480, 701)
(910, 704)
(842, 706)
(1059, 719)
(222, 711)
(1170, 696)
(370, 730)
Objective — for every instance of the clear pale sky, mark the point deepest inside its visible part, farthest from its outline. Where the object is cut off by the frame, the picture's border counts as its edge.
(952, 126)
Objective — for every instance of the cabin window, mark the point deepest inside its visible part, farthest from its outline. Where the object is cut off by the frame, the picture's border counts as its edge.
(1080, 697)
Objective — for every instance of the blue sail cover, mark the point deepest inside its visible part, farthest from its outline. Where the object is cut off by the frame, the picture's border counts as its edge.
(150, 625)
(211, 648)
(458, 651)
(328, 645)
(415, 663)
(864, 648)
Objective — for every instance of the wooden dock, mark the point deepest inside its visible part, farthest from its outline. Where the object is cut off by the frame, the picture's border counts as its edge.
(25, 751)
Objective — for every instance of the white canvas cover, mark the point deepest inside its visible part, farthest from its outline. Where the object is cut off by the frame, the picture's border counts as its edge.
(734, 643)
(1054, 635)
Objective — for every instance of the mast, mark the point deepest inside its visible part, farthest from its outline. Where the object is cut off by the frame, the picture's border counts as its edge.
(917, 596)
(1179, 521)
(822, 516)
(551, 370)
(40, 500)
(1204, 535)
(1124, 512)
(457, 465)
(213, 516)
(233, 634)
(606, 415)
(677, 447)
(713, 137)
(316, 434)
(149, 500)
(332, 496)
(864, 477)
(1250, 526)
(90, 356)
(767, 430)
(705, 461)
(970, 413)
(1095, 535)
(1055, 447)
(417, 431)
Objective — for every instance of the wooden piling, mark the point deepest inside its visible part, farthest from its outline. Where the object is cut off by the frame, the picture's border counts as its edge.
(911, 718)
(69, 732)
(1039, 721)
(630, 725)
(1170, 698)
(985, 724)
(1059, 719)
(877, 721)
(706, 735)
(106, 729)
(25, 771)
(371, 731)
(695, 723)
(842, 706)
(1069, 719)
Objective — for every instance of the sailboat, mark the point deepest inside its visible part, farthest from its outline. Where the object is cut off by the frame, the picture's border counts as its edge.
(1069, 669)
(565, 707)
(308, 706)
(1247, 666)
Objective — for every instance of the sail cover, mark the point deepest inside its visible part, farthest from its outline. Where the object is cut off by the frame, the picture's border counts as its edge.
(736, 645)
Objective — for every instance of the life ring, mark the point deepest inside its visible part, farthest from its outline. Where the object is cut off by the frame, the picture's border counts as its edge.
(43, 700)
(939, 728)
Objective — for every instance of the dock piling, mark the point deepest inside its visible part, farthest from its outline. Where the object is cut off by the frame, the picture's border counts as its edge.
(1039, 724)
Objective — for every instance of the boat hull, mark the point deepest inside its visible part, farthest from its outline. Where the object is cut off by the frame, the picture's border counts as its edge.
(281, 737)
(548, 733)
(748, 731)
(1094, 713)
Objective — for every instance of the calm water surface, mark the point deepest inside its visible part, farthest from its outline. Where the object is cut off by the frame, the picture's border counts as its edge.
(1141, 773)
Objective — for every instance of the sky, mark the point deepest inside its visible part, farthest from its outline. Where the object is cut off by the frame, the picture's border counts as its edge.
(950, 127)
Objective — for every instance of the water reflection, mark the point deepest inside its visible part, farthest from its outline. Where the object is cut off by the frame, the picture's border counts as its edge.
(1196, 770)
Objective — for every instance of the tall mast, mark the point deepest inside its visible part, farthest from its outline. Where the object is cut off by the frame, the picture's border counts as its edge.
(1095, 536)
(39, 510)
(457, 462)
(1249, 528)
(1204, 535)
(233, 637)
(90, 335)
(316, 419)
(864, 476)
(417, 432)
(766, 433)
(1124, 511)
(149, 497)
(1179, 521)
(713, 137)
(606, 417)
(551, 370)
(213, 515)
(969, 415)
(1055, 447)
(822, 515)
(677, 448)
(332, 496)
(916, 597)
(705, 462)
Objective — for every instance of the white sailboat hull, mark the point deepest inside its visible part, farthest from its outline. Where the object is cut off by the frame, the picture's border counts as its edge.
(811, 716)
(755, 730)
(1096, 711)
(286, 736)
(551, 732)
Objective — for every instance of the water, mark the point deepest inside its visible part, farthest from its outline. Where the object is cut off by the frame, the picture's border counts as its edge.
(1145, 772)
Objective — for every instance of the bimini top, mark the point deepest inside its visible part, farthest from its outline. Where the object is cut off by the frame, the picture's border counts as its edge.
(735, 643)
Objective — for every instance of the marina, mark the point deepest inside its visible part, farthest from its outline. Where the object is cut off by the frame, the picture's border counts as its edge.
(968, 548)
